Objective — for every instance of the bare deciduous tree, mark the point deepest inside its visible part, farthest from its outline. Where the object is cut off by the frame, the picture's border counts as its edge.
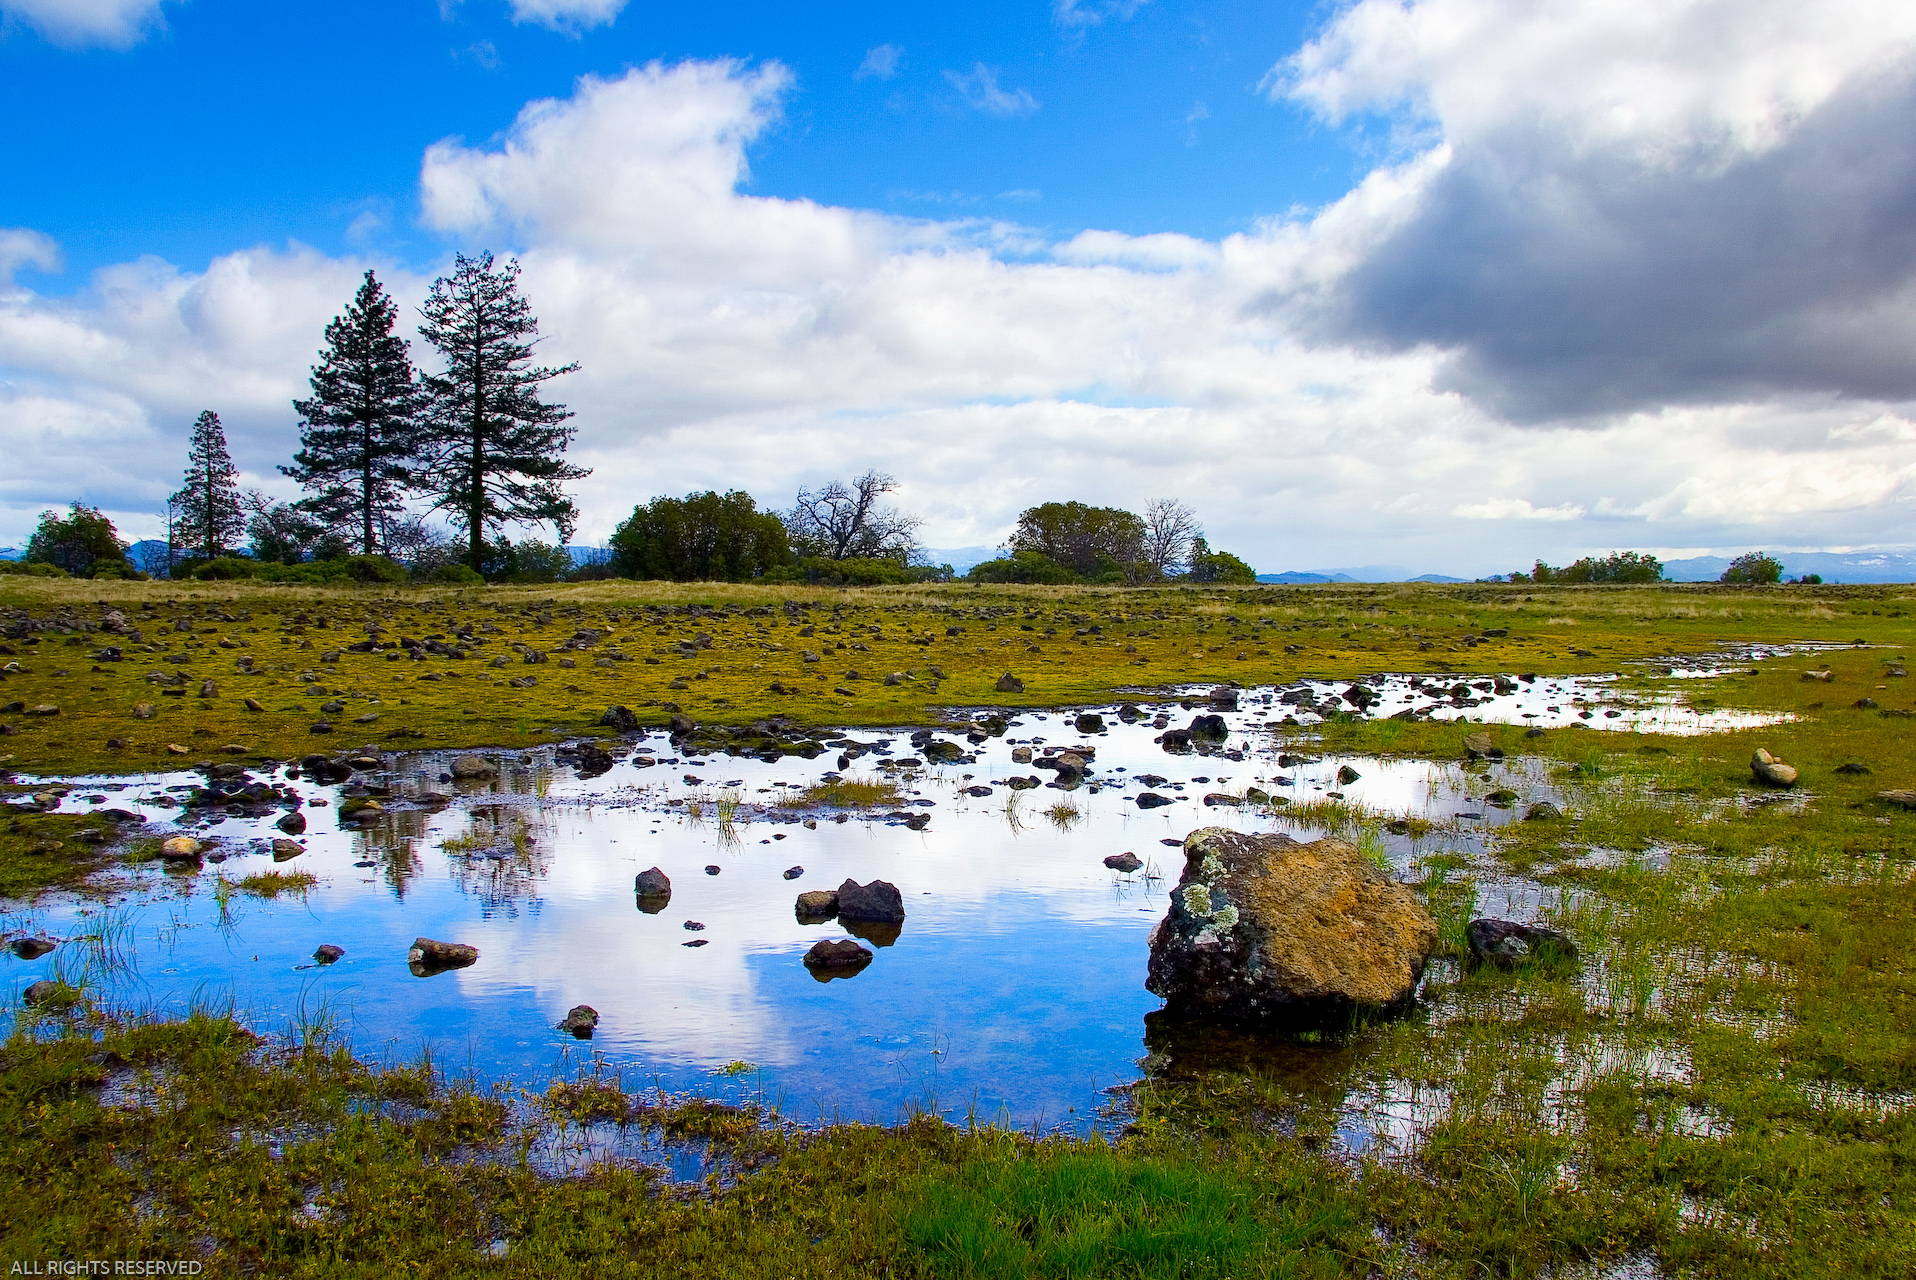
(1169, 529)
(841, 522)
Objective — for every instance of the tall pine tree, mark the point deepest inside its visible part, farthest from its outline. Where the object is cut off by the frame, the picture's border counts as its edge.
(494, 447)
(211, 517)
(358, 433)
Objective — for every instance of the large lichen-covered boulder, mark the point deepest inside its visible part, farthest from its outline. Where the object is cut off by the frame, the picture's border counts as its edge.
(1262, 927)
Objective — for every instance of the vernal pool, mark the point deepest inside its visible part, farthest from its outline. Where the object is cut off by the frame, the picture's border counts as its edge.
(1013, 991)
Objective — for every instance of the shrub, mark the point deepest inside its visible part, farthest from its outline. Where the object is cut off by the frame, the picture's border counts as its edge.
(453, 575)
(1021, 566)
(373, 569)
(1753, 568)
(224, 568)
(32, 569)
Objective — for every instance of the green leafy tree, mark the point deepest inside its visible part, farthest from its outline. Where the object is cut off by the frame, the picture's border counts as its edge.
(211, 512)
(1753, 568)
(527, 561)
(702, 537)
(1220, 567)
(359, 432)
(1089, 541)
(84, 543)
(492, 446)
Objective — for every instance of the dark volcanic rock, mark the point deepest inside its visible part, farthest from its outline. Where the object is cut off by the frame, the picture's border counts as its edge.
(580, 1019)
(879, 902)
(841, 957)
(1507, 943)
(620, 718)
(429, 956)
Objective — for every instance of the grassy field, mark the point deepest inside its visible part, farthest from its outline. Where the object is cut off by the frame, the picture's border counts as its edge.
(1722, 1086)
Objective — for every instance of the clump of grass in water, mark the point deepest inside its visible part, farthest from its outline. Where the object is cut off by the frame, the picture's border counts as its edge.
(1370, 843)
(850, 793)
(1063, 814)
(271, 884)
(1453, 905)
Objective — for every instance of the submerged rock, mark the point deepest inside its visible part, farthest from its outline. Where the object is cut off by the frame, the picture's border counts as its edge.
(1152, 800)
(429, 956)
(44, 992)
(580, 1020)
(470, 766)
(816, 904)
(1771, 771)
(1507, 943)
(1262, 927)
(329, 954)
(180, 847)
(1125, 862)
(286, 850)
(839, 958)
(30, 948)
(653, 889)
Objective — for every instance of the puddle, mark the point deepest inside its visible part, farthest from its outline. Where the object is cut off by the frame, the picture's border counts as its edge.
(1014, 991)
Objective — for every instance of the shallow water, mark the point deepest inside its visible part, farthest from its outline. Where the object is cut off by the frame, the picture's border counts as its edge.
(1013, 992)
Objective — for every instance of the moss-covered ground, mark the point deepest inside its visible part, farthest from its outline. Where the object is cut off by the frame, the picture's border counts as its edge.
(1721, 1086)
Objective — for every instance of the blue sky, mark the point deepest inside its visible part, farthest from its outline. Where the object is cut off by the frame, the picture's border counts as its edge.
(1449, 284)
(239, 123)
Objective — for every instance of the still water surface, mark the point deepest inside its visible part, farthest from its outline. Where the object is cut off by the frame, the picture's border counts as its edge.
(1013, 991)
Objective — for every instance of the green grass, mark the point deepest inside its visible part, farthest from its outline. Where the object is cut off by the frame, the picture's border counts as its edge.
(271, 884)
(850, 793)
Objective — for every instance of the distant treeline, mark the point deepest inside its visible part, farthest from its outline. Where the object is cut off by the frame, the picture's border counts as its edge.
(1631, 566)
(477, 445)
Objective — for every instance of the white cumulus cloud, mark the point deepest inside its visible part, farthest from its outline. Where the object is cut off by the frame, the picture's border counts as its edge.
(116, 24)
(567, 15)
(979, 87)
(881, 61)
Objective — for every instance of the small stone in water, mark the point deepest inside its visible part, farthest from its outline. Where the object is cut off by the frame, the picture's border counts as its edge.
(793, 873)
(711, 869)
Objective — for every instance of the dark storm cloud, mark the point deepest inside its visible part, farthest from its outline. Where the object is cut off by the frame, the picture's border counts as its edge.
(1573, 281)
